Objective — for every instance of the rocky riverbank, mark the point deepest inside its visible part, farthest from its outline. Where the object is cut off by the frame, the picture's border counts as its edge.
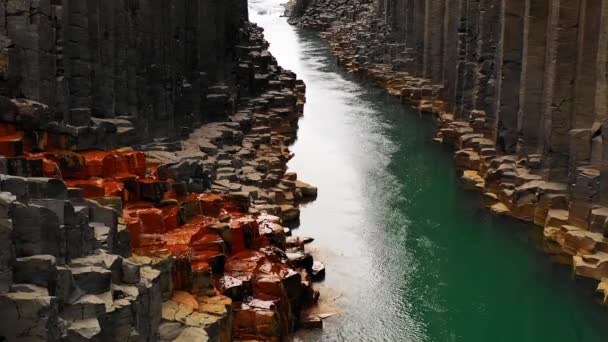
(111, 231)
(447, 61)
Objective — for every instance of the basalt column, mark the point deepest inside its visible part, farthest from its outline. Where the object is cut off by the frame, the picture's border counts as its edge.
(601, 102)
(433, 40)
(408, 35)
(125, 59)
(559, 81)
(400, 20)
(211, 50)
(77, 49)
(585, 135)
(467, 52)
(585, 126)
(486, 78)
(147, 62)
(532, 80)
(510, 64)
(418, 36)
(451, 25)
(32, 67)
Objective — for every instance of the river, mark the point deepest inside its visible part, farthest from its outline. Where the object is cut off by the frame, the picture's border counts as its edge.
(410, 256)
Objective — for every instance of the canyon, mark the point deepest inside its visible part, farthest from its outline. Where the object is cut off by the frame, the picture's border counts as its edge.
(143, 178)
(149, 149)
(517, 87)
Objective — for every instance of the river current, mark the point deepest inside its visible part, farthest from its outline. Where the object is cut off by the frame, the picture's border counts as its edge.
(410, 256)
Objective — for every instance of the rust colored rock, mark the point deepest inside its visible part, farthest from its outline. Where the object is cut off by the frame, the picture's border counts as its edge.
(11, 145)
(91, 187)
(100, 164)
(211, 204)
(71, 164)
(135, 162)
(152, 221)
(256, 320)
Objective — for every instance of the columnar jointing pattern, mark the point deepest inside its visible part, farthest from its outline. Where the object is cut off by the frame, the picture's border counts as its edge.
(519, 87)
(535, 69)
(147, 60)
(140, 143)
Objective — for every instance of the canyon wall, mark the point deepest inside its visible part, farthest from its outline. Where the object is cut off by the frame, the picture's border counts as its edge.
(534, 71)
(158, 64)
(143, 175)
(518, 87)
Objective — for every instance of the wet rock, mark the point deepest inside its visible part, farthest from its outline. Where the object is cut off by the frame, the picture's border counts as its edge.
(300, 259)
(318, 271)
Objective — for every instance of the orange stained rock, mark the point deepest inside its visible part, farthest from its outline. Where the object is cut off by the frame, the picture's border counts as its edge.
(208, 242)
(184, 235)
(7, 129)
(114, 164)
(238, 237)
(243, 262)
(213, 258)
(91, 187)
(180, 251)
(133, 162)
(256, 320)
(131, 208)
(211, 204)
(51, 169)
(152, 221)
(171, 217)
(71, 164)
(153, 242)
(200, 222)
(113, 188)
(170, 194)
(11, 145)
(135, 230)
(100, 164)
(200, 265)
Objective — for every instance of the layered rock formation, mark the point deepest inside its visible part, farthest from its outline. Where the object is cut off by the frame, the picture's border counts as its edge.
(122, 216)
(519, 87)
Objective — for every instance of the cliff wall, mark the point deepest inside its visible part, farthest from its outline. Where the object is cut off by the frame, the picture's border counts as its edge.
(519, 87)
(157, 63)
(536, 69)
(143, 175)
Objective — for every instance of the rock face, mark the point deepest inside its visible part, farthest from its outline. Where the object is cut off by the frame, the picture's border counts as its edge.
(143, 175)
(154, 64)
(518, 87)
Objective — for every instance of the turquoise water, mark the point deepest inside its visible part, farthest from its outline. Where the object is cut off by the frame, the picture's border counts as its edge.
(409, 255)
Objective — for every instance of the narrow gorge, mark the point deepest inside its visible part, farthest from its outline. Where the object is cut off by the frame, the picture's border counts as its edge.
(153, 152)
(144, 187)
(517, 88)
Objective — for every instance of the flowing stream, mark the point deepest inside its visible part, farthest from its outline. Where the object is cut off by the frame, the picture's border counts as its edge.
(410, 256)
